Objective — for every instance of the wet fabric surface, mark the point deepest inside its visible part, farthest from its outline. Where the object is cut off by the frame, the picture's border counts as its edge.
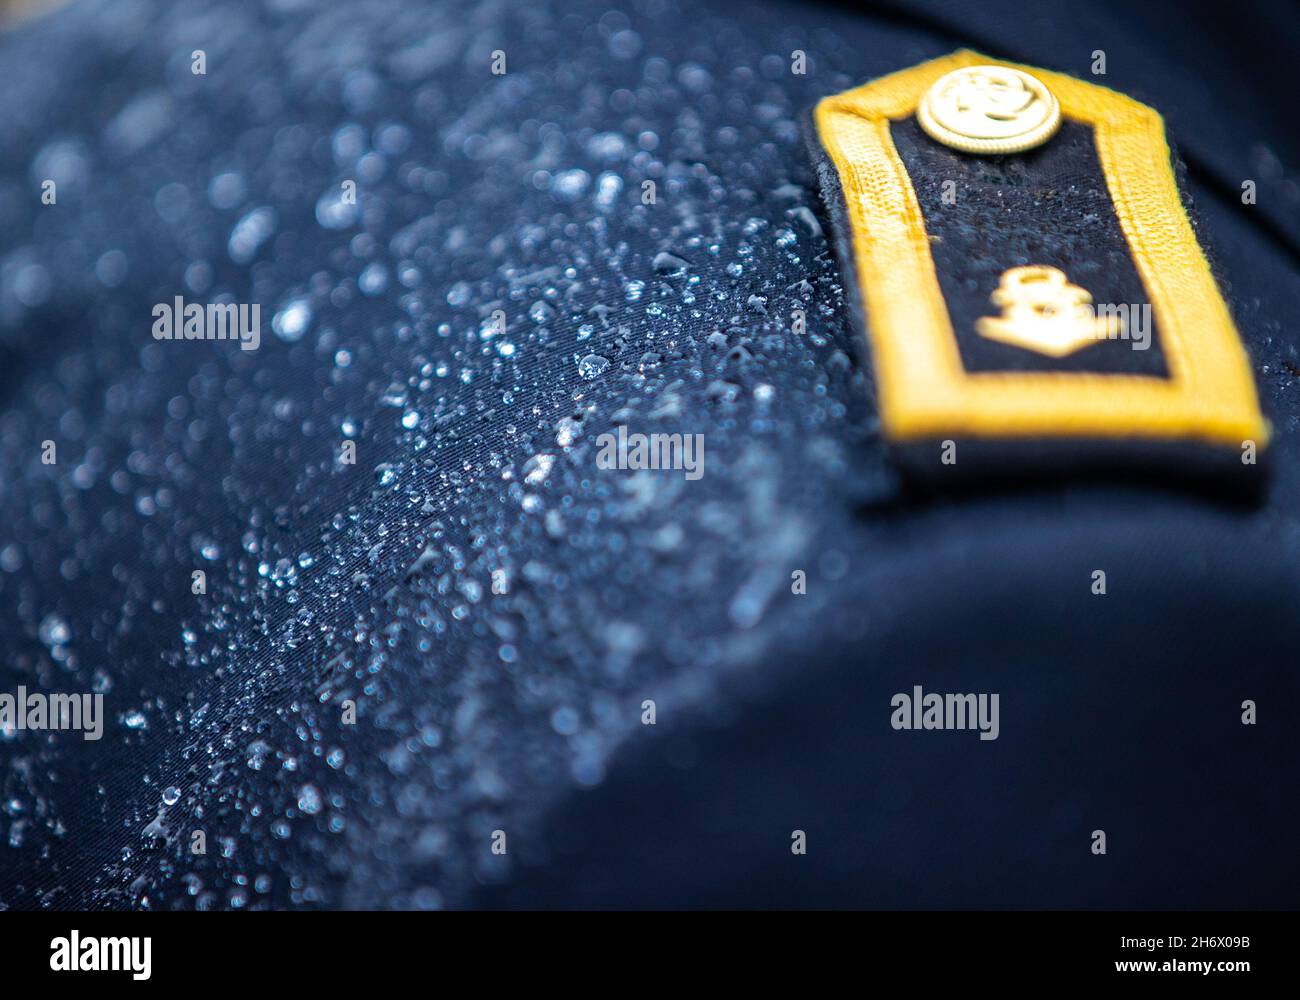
(497, 606)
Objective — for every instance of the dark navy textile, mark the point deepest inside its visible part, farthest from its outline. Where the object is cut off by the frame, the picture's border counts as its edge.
(497, 606)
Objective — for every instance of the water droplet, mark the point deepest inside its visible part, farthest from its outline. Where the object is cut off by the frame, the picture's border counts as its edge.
(373, 280)
(257, 752)
(566, 429)
(570, 185)
(564, 720)
(592, 366)
(309, 800)
(668, 263)
(54, 631)
(608, 187)
(332, 212)
(250, 233)
(291, 322)
(537, 468)
(226, 191)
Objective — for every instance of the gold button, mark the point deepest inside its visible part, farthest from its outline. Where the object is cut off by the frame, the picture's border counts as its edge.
(993, 110)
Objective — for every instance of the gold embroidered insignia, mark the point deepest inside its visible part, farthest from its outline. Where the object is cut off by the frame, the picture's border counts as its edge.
(933, 345)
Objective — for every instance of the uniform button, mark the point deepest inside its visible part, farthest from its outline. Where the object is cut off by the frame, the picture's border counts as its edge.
(992, 110)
